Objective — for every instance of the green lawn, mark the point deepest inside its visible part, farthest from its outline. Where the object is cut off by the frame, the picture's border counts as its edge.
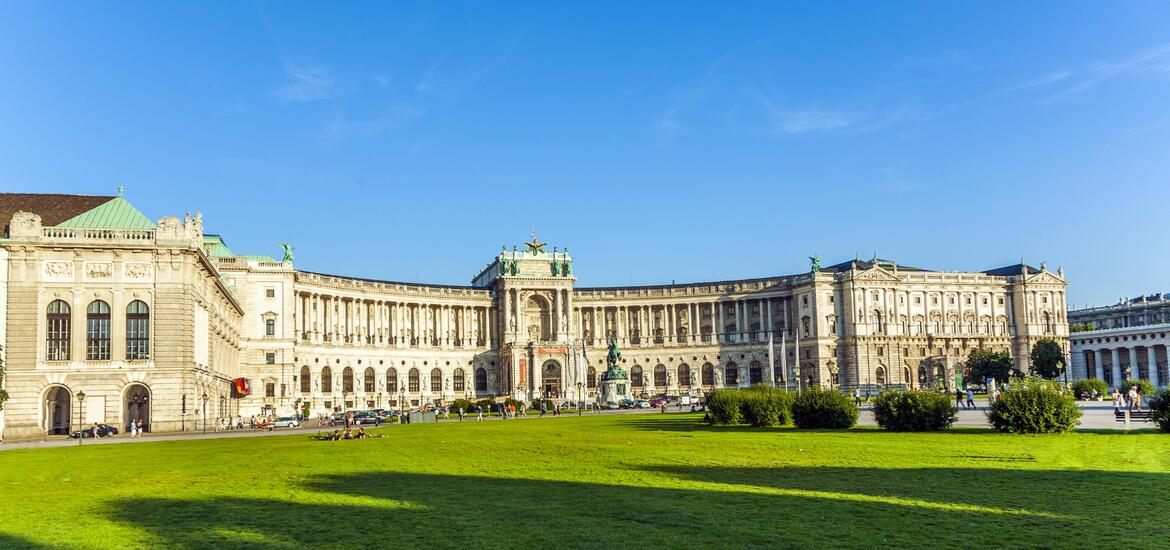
(599, 481)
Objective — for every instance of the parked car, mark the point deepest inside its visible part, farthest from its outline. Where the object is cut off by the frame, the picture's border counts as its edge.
(103, 430)
(657, 402)
(643, 404)
(626, 404)
(366, 417)
(286, 422)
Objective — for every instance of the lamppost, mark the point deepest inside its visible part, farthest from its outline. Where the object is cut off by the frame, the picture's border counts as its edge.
(204, 412)
(581, 396)
(80, 406)
(401, 398)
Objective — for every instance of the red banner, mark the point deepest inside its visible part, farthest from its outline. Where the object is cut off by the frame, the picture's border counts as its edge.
(555, 351)
(523, 368)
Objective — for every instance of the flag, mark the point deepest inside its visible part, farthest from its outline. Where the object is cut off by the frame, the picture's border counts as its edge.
(771, 362)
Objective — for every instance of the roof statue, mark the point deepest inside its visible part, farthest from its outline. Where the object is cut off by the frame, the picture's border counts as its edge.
(288, 252)
(534, 246)
(816, 263)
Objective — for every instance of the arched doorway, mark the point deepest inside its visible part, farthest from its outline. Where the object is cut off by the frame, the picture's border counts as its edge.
(880, 376)
(137, 406)
(58, 410)
(550, 379)
(537, 318)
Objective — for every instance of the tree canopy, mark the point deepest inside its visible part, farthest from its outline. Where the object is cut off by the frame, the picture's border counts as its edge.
(1048, 359)
(983, 364)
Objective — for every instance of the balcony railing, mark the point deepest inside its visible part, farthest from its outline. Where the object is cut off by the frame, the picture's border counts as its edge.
(91, 235)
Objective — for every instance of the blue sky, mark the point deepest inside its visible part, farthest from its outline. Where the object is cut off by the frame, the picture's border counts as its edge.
(658, 141)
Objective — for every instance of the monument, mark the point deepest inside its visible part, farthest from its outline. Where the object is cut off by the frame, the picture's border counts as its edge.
(615, 385)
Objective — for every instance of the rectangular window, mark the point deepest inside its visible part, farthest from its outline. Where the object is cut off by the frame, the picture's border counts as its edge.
(270, 358)
(97, 338)
(270, 327)
(269, 389)
(137, 337)
(58, 336)
(269, 293)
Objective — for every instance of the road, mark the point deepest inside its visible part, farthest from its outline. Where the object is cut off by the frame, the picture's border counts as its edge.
(1098, 416)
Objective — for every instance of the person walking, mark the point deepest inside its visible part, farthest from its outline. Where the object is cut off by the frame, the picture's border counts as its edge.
(1116, 401)
(970, 398)
(856, 397)
(139, 426)
(1137, 397)
(543, 408)
(1132, 397)
(133, 428)
(478, 413)
(959, 399)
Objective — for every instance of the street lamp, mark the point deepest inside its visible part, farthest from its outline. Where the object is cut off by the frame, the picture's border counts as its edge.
(80, 405)
(204, 412)
(581, 396)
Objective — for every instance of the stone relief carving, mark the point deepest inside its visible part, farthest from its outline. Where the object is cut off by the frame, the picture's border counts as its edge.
(99, 270)
(136, 270)
(59, 270)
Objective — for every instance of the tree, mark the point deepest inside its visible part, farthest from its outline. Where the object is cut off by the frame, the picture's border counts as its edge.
(3, 394)
(1048, 359)
(983, 364)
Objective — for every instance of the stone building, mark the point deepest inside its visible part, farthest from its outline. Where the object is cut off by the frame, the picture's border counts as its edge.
(1127, 341)
(317, 342)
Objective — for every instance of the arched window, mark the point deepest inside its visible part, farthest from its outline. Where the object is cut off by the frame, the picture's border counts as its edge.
(391, 380)
(591, 381)
(660, 376)
(306, 380)
(880, 376)
(137, 330)
(756, 373)
(97, 331)
(636, 377)
(708, 373)
(481, 379)
(457, 381)
(412, 380)
(326, 380)
(436, 380)
(368, 386)
(731, 375)
(347, 380)
(684, 375)
(58, 323)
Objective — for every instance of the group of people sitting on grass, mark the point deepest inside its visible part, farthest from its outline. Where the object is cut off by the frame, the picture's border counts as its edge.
(349, 433)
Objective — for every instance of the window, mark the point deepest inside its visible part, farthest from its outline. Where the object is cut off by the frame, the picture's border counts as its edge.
(731, 375)
(137, 331)
(270, 358)
(270, 327)
(636, 377)
(347, 380)
(459, 381)
(591, 379)
(660, 376)
(326, 380)
(708, 374)
(481, 379)
(436, 380)
(391, 380)
(270, 389)
(412, 380)
(918, 299)
(58, 333)
(97, 331)
(368, 381)
(270, 293)
(306, 380)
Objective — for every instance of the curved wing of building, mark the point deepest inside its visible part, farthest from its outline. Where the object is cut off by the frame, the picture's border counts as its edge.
(221, 323)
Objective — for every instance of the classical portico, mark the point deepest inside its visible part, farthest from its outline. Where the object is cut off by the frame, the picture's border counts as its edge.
(1120, 354)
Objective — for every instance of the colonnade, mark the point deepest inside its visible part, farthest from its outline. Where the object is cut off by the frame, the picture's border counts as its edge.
(348, 320)
(721, 321)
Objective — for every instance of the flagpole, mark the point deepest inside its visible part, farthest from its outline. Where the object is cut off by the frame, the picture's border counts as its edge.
(771, 361)
(784, 358)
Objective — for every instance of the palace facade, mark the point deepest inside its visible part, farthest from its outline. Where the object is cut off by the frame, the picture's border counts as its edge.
(149, 318)
(1125, 341)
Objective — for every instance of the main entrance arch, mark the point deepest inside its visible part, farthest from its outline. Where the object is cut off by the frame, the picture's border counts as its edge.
(550, 379)
(136, 406)
(58, 410)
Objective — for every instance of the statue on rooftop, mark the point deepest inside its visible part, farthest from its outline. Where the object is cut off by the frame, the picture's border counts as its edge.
(816, 263)
(288, 252)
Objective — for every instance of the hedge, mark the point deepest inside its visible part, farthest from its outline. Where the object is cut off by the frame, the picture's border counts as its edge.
(1160, 407)
(759, 406)
(817, 407)
(914, 411)
(1147, 388)
(1084, 387)
(1032, 405)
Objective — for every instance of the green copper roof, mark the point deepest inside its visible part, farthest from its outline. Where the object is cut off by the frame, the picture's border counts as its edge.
(113, 214)
(215, 246)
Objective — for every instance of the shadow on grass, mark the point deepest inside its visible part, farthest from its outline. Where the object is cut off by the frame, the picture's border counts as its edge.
(850, 507)
(14, 542)
(694, 423)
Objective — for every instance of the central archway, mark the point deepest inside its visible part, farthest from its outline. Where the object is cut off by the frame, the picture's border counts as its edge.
(537, 318)
(58, 410)
(137, 406)
(550, 379)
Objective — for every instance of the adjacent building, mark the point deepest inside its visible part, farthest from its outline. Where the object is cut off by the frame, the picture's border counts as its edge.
(148, 318)
(1122, 342)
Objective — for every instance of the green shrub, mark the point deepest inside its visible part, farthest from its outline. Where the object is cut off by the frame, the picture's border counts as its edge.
(817, 407)
(723, 407)
(1033, 405)
(464, 404)
(1147, 388)
(1084, 387)
(759, 406)
(914, 411)
(535, 405)
(1160, 407)
(485, 403)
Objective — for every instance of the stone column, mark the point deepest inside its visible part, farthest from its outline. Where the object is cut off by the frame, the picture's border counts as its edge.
(1116, 367)
(1133, 363)
(1098, 364)
(719, 315)
(1153, 366)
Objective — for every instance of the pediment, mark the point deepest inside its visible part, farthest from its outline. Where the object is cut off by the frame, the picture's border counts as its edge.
(875, 274)
(1045, 277)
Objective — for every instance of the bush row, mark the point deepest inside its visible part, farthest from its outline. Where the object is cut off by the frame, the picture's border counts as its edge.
(1084, 387)
(914, 411)
(758, 405)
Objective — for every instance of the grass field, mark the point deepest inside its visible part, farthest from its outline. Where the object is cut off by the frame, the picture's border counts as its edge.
(600, 481)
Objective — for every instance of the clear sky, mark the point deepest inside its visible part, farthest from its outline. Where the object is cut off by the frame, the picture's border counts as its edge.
(658, 141)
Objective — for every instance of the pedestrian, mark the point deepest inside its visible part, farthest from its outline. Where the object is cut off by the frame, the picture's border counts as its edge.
(478, 412)
(461, 413)
(856, 397)
(970, 398)
(96, 435)
(959, 399)
(1116, 401)
(139, 426)
(1137, 397)
(1132, 397)
(543, 408)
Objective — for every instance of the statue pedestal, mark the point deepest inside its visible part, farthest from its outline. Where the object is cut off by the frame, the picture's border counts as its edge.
(613, 388)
